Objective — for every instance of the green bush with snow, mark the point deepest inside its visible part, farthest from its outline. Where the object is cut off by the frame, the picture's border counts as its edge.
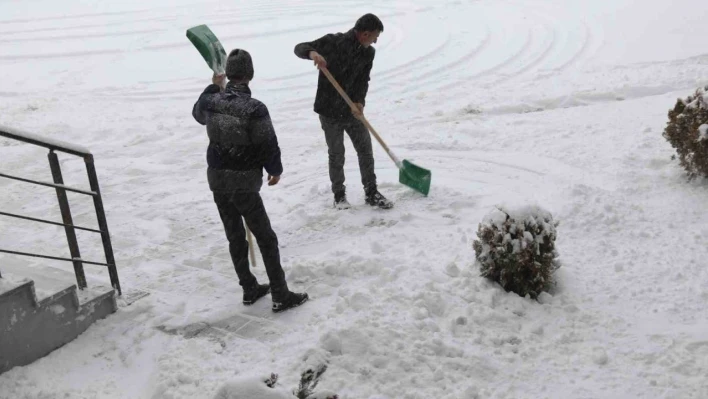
(516, 248)
(687, 131)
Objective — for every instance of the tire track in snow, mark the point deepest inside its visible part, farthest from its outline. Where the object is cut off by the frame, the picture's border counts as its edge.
(440, 75)
(396, 71)
(267, 13)
(83, 27)
(235, 37)
(270, 8)
(438, 78)
(81, 36)
(534, 62)
(588, 39)
(489, 70)
(427, 77)
(551, 24)
(294, 104)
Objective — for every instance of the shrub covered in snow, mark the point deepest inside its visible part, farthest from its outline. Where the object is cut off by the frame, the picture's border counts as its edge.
(517, 249)
(687, 131)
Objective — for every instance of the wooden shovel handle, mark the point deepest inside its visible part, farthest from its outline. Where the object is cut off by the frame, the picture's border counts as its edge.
(362, 118)
(251, 250)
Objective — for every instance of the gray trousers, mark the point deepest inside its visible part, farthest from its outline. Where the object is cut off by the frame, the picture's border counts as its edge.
(233, 209)
(334, 134)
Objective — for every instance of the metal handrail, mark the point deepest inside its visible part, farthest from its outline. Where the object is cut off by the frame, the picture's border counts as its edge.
(40, 183)
(43, 142)
(49, 222)
(88, 262)
(67, 220)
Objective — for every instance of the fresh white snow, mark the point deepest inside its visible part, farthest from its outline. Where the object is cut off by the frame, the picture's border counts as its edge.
(554, 103)
(45, 140)
(250, 387)
(703, 132)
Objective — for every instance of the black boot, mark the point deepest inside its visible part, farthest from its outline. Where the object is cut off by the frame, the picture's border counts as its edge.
(374, 198)
(289, 301)
(252, 294)
(340, 200)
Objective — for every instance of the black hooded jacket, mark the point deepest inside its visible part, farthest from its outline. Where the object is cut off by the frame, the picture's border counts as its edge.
(242, 141)
(349, 62)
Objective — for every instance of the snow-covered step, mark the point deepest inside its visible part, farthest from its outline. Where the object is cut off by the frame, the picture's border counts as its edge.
(39, 316)
(47, 280)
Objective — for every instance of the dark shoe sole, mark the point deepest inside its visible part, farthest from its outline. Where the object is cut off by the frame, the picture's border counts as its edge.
(389, 206)
(251, 302)
(341, 207)
(293, 305)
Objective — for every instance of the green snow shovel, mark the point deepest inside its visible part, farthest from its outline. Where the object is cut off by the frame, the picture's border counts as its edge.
(409, 174)
(209, 47)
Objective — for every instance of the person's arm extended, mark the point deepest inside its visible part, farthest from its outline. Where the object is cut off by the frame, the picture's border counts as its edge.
(199, 109)
(314, 50)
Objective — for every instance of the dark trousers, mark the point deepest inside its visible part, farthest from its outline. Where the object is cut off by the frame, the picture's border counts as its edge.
(334, 134)
(233, 209)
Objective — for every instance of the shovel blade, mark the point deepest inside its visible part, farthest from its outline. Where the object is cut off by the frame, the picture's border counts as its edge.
(414, 177)
(208, 46)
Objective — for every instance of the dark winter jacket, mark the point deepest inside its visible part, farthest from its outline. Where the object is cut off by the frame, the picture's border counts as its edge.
(349, 62)
(242, 140)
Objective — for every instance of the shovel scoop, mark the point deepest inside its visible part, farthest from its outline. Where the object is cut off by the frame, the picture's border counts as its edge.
(209, 47)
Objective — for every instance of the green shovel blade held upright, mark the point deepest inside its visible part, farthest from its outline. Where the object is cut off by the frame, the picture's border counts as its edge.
(209, 47)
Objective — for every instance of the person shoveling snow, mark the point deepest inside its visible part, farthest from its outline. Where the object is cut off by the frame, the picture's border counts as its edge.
(341, 108)
(349, 56)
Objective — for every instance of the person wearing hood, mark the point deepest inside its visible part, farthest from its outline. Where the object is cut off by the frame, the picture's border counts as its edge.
(242, 142)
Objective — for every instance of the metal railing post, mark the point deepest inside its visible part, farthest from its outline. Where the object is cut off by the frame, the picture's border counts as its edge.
(102, 223)
(66, 217)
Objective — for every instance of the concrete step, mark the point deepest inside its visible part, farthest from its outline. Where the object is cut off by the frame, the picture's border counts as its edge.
(44, 312)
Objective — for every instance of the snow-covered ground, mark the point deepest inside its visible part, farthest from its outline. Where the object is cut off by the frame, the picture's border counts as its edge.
(559, 103)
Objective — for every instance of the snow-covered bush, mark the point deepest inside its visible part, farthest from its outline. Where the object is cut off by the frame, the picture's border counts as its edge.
(516, 248)
(687, 131)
